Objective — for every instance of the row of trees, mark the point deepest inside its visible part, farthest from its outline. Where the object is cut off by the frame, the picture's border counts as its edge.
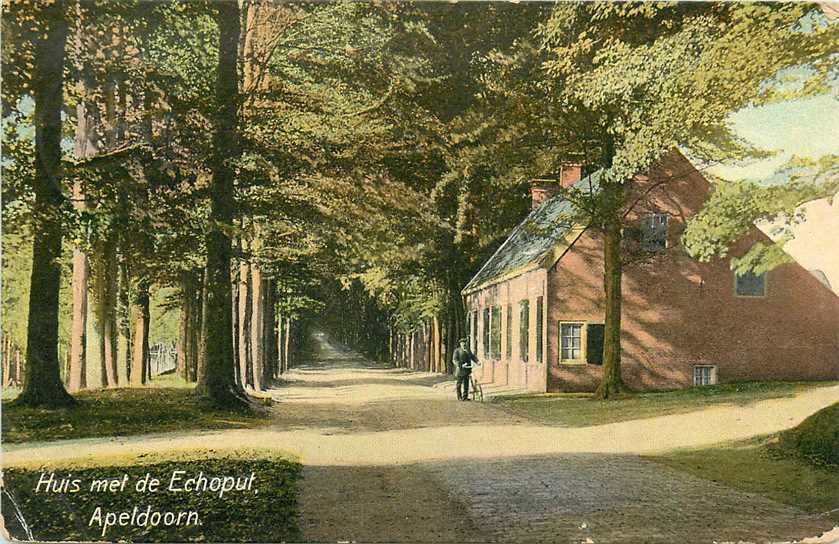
(616, 87)
(357, 161)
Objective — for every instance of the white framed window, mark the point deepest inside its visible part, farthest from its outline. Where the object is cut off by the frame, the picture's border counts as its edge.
(654, 232)
(750, 285)
(571, 342)
(704, 375)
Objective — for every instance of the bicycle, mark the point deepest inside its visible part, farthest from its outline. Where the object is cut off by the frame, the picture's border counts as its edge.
(476, 392)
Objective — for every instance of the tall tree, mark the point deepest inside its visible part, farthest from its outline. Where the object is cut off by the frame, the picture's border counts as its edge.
(42, 384)
(217, 382)
(86, 145)
(617, 86)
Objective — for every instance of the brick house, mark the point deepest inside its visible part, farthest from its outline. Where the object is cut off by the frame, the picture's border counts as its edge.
(535, 308)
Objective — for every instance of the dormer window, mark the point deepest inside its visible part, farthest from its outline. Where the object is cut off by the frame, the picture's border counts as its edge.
(750, 285)
(654, 232)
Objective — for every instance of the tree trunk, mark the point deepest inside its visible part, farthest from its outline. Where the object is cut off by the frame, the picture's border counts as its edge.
(110, 339)
(139, 359)
(612, 383)
(245, 323)
(195, 335)
(287, 344)
(86, 145)
(217, 381)
(182, 343)
(18, 368)
(123, 324)
(42, 385)
(105, 288)
(78, 331)
(202, 331)
(7, 360)
(257, 324)
(234, 311)
(188, 341)
(268, 335)
(279, 346)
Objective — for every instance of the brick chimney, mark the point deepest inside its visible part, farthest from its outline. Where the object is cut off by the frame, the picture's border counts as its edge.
(569, 174)
(543, 189)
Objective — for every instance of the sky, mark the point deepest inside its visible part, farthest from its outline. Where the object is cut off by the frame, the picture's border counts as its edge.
(806, 128)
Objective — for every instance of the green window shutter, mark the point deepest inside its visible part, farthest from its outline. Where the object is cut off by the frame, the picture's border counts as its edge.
(509, 331)
(539, 324)
(524, 330)
(486, 333)
(594, 343)
(495, 333)
(473, 341)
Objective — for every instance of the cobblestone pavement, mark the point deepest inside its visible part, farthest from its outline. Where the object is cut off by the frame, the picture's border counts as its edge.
(390, 456)
(613, 498)
(574, 497)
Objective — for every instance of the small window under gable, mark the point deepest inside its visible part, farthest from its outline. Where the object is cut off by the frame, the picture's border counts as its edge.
(750, 285)
(654, 232)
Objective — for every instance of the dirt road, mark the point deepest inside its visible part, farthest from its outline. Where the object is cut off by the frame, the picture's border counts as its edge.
(389, 455)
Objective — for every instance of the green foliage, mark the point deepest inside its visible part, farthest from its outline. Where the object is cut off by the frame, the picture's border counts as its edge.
(654, 76)
(122, 412)
(388, 147)
(816, 439)
(735, 207)
(576, 411)
(163, 325)
(234, 517)
(753, 468)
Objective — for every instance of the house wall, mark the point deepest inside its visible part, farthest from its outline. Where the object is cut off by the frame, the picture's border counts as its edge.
(678, 313)
(512, 371)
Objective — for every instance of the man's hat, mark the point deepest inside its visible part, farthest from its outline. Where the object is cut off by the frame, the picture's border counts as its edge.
(464, 339)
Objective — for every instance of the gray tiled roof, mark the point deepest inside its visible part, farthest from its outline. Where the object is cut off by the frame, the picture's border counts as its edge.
(533, 238)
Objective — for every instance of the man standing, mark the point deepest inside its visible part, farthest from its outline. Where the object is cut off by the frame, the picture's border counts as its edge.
(463, 359)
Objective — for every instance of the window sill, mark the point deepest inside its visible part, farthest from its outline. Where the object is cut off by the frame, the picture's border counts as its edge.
(573, 362)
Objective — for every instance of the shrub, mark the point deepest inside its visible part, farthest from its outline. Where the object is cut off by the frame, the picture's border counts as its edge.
(816, 438)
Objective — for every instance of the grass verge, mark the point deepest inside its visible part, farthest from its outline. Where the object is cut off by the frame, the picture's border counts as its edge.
(265, 512)
(816, 439)
(121, 412)
(579, 410)
(760, 467)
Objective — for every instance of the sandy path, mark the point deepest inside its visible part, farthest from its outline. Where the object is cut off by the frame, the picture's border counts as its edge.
(349, 427)
(389, 455)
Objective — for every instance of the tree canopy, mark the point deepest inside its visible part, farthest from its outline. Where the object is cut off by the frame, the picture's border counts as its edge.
(368, 157)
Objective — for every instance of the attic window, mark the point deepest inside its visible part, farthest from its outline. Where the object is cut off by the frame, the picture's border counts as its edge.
(750, 285)
(654, 232)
